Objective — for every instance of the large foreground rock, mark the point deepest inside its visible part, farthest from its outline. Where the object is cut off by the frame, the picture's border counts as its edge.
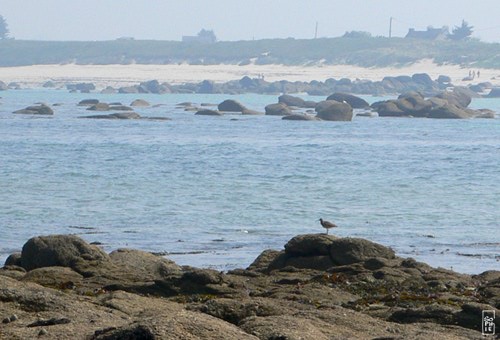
(319, 287)
(353, 250)
(146, 265)
(310, 245)
(58, 250)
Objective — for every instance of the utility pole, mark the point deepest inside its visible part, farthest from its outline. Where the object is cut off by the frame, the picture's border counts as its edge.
(390, 27)
(316, 31)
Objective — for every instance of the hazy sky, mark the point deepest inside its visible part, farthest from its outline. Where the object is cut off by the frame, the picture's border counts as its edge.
(240, 20)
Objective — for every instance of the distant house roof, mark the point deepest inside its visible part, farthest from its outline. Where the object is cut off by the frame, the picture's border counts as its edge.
(431, 33)
(204, 37)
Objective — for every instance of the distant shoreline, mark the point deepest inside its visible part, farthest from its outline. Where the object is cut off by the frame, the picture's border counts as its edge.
(124, 75)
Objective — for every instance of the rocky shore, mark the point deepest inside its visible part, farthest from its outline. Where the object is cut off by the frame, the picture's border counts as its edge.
(318, 287)
(388, 85)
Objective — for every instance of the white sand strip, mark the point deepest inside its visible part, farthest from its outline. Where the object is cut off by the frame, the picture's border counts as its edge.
(122, 75)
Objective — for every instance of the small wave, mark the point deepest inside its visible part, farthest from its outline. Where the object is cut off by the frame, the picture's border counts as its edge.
(81, 227)
(480, 256)
(194, 252)
(487, 244)
(91, 233)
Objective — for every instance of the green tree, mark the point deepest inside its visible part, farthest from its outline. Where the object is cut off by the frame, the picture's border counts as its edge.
(357, 34)
(209, 36)
(4, 30)
(461, 32)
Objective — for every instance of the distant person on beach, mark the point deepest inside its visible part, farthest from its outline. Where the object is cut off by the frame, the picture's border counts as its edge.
(478, 73)
(473, 74)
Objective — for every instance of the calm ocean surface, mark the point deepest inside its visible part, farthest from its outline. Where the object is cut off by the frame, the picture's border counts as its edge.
(215, 192)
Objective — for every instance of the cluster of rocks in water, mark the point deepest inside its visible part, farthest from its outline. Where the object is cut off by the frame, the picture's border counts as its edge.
(337, 107)
(318, 287)
(449, 103)
(124, 111)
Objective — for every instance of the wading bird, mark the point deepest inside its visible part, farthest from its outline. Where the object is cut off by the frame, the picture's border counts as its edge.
(327, 225)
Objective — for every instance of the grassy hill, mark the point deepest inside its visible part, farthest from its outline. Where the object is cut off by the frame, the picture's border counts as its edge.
(366, 51)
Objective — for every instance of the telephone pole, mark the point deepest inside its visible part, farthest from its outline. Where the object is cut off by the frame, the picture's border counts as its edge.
(390, 27)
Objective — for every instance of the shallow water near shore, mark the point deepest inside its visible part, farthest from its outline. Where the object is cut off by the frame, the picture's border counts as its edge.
(215, 192)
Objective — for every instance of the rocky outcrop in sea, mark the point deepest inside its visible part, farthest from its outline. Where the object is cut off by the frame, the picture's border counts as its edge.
(318, 287)
(447, 104)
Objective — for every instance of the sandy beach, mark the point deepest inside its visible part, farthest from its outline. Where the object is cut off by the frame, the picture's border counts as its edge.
(123, 75)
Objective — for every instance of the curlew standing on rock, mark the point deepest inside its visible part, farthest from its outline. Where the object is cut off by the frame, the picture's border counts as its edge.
(327, 225)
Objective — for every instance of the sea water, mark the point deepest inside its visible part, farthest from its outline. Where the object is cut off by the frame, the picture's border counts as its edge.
(216, 191)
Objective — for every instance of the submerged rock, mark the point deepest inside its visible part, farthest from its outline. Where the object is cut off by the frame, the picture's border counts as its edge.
(41, 109)
(298, 116)
(208, 112)
(251, 112)
(140, 102)
(119, 115)
(99, 107)
(88, 102)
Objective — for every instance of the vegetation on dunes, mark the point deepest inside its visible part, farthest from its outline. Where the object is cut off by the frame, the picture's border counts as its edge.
(361, 50)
